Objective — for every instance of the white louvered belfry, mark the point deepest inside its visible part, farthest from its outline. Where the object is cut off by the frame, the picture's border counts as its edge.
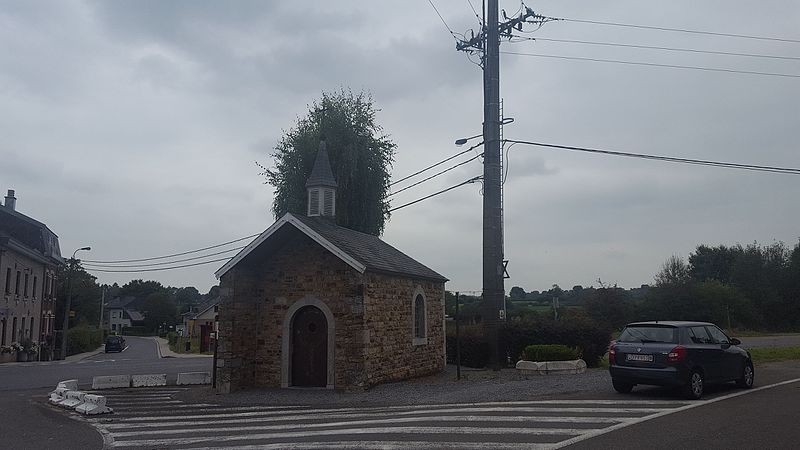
(321, 186)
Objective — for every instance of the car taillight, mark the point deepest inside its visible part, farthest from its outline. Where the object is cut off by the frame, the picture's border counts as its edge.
(677, 354)
(612, 354)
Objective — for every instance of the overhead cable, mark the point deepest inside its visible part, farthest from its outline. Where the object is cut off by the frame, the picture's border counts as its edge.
(671, 66)
(435, 165)
(653, 47)
(681, 30)
(158, 269)
(436, 174)
(169, 256)
(471, 180)
(114, 266)
(729, 165)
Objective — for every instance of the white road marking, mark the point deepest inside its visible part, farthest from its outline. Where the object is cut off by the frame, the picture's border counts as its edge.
(389, 445)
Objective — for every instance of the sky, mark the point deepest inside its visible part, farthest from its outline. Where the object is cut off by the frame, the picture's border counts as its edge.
(134, 127)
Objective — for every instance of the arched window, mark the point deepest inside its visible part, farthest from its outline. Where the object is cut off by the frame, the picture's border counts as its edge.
(420, 325)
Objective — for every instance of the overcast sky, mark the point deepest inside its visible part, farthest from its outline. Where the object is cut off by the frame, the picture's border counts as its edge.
(134, 127)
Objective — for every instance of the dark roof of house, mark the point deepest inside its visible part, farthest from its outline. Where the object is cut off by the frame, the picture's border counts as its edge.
(360, 250)
(203, 307)
(29, 232)
(119, 303)
(321, 174)
(370, 250)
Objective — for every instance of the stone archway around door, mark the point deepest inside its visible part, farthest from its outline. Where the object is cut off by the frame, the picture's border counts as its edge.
(307, 350)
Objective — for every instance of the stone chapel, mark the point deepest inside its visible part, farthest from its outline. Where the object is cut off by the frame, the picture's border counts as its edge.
(309, 303)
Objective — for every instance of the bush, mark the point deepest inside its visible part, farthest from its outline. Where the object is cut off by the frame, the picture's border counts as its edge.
(137, 331)
(551, 352)
(83, 339)
(474, 348)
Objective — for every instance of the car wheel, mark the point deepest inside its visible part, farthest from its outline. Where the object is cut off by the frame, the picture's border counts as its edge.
(622, 388)
(748, 375)
(694, 387)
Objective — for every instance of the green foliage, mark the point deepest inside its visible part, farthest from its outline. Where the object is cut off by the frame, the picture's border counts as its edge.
(574, 330)
(85, 294)
(610, 306)
(140, 289)
(158, 310)
(773, 354)
(137, 331)
(83, 338)
(551, 352)
(360, 155)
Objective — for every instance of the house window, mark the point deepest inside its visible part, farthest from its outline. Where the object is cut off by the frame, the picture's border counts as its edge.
(25, 288)
(420, 325)
(8, 280)
(35, 280)
(14, 330)
(22, 330)
(3, 336)
(16, 285)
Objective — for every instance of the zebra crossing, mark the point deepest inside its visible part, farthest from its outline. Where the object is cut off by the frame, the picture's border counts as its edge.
(153, 418)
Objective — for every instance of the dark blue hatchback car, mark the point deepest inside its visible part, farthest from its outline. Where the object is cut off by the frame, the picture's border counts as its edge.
(685, 354)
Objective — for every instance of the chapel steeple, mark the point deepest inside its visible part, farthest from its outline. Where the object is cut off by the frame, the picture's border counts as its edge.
(321, 186)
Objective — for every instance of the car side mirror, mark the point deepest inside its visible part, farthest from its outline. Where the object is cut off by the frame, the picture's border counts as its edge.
(735, 341)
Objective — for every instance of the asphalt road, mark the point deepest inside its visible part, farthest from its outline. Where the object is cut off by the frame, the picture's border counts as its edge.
(141, 357)
(26, 422)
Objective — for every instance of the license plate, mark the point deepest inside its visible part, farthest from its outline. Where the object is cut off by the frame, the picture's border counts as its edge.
(637, 357)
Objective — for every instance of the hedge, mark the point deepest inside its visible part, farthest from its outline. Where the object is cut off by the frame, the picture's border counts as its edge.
(83, 339)
(578, 332)
(551, 352)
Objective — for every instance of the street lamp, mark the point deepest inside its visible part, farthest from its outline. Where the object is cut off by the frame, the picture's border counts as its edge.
(67, 306)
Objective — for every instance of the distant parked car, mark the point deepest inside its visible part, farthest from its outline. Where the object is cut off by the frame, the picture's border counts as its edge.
(115, 343)
(685, 354)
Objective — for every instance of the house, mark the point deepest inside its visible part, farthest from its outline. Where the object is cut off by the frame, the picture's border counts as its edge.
(200, 321)
(29, 258)
(311, 303)
(120, 313)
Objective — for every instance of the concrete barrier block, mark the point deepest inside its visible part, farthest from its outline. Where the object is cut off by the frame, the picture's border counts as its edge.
(111, 381)
(58, 395)
(553, 367)
(149, 380)
(93, 404)
(73, 399)
(71, 385)
(527, 365)
(194, 378)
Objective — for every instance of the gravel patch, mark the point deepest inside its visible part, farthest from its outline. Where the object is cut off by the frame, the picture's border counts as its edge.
(475, 386)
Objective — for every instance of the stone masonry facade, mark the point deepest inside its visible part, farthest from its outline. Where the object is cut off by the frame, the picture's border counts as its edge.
(372, 316)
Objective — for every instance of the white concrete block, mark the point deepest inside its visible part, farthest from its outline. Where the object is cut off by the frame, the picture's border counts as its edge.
(111, 381)
(194, 378)
(553, 367)
(93, 404)
(58, 395)
(71, 385)
(527, 365)
(149, 380)
(73, 399)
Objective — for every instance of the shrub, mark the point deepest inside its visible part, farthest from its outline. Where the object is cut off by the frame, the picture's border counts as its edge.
(474, 348)
(137, 331)
(83, 339)
(575, 331)
(551, 352)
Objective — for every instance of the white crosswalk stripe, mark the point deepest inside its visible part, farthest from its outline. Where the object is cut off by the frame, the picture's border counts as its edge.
(153, 418)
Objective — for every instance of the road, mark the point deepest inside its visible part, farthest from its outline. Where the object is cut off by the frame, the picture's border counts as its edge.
(26, 422)
(141, 357)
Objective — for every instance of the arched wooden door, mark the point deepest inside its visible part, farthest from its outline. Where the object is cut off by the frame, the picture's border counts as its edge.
(309, 347)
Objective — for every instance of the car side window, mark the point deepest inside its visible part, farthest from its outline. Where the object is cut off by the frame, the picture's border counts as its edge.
(698, 335)
(717, 336)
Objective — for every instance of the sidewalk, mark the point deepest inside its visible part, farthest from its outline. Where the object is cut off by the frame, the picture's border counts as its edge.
(165, 352)
(69, 359)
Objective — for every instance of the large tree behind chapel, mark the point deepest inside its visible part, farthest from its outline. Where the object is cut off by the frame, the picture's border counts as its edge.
(360, 153)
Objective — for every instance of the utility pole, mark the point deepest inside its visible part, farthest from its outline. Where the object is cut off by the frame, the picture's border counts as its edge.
(487, 42)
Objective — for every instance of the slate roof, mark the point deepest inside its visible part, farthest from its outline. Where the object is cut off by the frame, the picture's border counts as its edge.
(321, 174)
(30, 232)
(360, 250)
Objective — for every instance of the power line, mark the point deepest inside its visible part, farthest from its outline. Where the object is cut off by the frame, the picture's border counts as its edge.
(671, 66)
(680, 30)
(436, 174)
(471, 180)
(435, 165)
(758, 168)
(169, 256)
(442, 18)
(159, 269)
(109, 266)
(652, 47)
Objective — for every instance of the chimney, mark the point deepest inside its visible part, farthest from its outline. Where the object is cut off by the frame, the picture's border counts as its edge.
(11, 201)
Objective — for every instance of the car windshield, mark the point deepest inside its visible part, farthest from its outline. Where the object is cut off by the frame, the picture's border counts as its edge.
(648, 333)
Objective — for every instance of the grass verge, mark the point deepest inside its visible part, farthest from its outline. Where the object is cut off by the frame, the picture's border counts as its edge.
(773, 354)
